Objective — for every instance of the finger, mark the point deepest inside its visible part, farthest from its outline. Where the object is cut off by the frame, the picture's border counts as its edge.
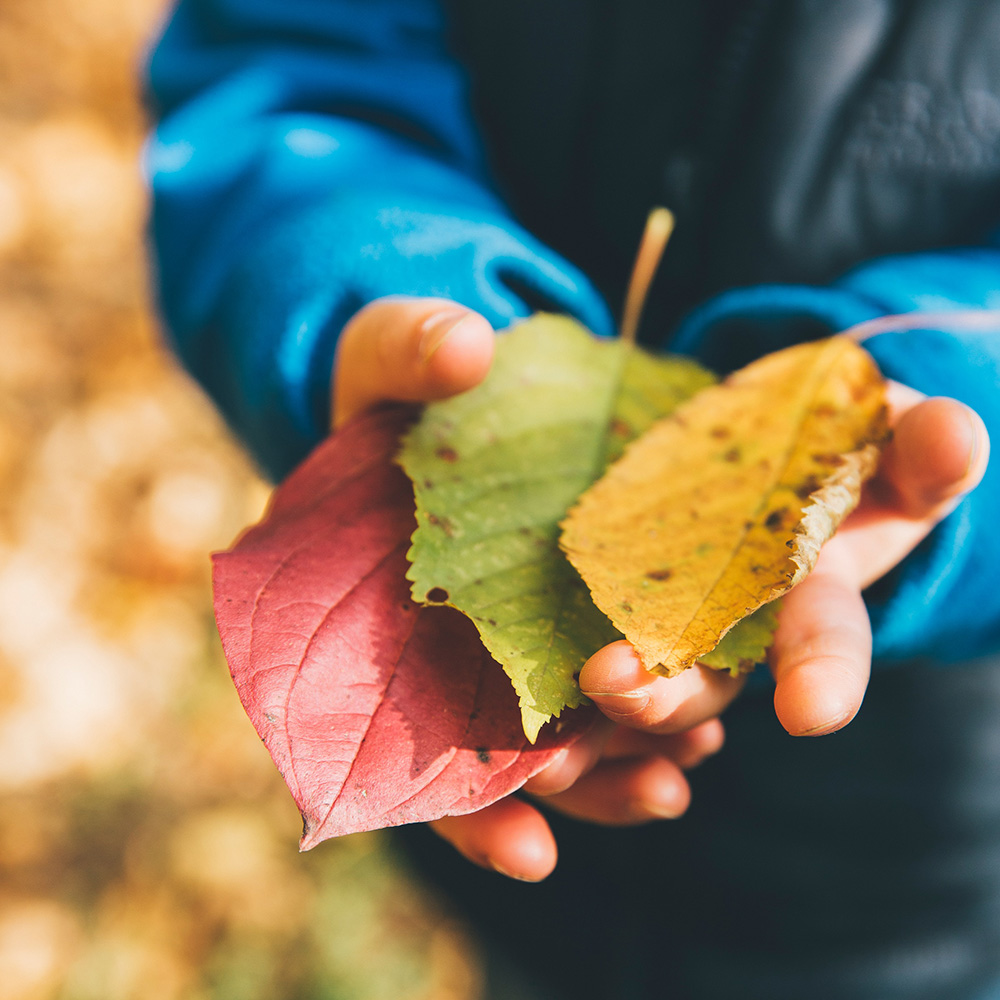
(821, 657)
(572, 762)
(687, 750)
(939, 450)
(627, 792)
(626, 693)
(411, 351)
(606, 741)
(510, 837)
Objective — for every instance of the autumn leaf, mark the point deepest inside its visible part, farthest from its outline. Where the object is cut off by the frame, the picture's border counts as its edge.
(496, 469)
(724, 505)
(746, 643)
(376, 711)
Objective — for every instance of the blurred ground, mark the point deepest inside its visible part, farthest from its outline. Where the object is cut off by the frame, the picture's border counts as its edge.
(147, 845)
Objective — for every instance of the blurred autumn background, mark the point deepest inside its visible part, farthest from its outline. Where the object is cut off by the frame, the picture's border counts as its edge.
(147, 845)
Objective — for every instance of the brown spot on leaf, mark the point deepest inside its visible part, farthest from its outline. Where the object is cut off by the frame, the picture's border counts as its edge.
(808, 487)
(443, 523)
(626, 607)
(720, 433)
(829, 458)
(779, 519)
(524, 530)
(619, 427)
(660, 574)
(825, 410)
(436, 595)
(447, 454)
(733, 455)
(483, 754)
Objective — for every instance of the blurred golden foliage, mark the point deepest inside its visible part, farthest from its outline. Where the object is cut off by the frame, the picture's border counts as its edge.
(147, 845)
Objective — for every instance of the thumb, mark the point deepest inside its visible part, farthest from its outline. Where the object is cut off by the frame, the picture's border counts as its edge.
(408, 350)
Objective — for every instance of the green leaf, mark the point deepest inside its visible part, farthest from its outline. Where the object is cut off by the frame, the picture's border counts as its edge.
(746, 643)
(496, 469)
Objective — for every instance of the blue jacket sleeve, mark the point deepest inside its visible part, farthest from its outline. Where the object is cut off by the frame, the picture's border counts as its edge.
(943, 601)
(313, 155)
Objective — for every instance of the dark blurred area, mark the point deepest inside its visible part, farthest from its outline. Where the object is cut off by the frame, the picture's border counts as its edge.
(147, 844)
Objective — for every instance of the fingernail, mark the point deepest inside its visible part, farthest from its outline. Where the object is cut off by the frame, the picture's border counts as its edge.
(664, 800)
(825, 728)
(620, 704)
(662, 810)
(437, 328)
(517, 876)
(976, 448)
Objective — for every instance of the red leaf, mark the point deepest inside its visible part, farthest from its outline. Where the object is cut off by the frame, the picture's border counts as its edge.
(377, 711)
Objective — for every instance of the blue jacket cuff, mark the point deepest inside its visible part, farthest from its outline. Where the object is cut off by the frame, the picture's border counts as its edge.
(267, 352)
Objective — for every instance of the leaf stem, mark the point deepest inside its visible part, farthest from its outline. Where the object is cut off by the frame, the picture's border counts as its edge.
(655, 236)
(955, 319)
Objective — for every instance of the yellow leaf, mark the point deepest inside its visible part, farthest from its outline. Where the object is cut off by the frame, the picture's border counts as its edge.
(724, 505)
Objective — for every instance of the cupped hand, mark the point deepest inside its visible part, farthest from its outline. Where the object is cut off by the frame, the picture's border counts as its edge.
(630, 768)
(821, 657)
(822, 654)
(418, 350)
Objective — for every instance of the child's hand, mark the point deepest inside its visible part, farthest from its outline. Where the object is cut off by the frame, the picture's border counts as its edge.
(821, 658)
(417, 350)
(630, 769)
(822, 653)
(407, 350)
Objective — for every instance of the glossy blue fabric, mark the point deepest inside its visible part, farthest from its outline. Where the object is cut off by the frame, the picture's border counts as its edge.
(317, 154)
(313, 156)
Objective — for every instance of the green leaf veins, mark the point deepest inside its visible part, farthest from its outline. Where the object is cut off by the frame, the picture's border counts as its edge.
(496, 469)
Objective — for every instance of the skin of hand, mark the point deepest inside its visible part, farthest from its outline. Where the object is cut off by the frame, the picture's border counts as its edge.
(630, 768)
